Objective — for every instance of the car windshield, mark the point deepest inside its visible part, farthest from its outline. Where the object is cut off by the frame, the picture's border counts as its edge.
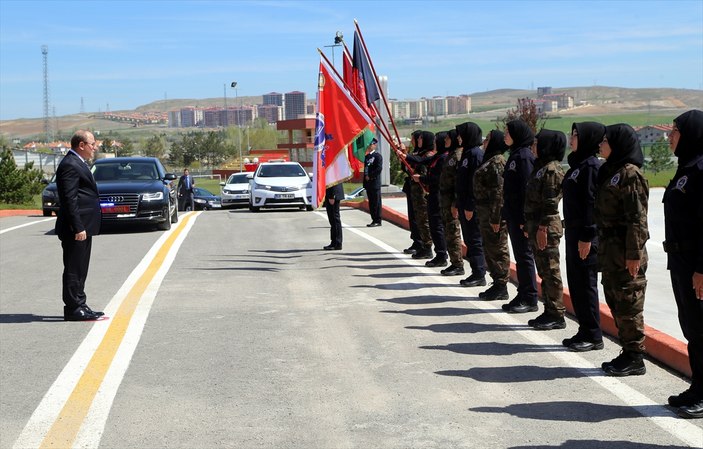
(282, 171)
(238, 179)
(130, 171)
(202, 192)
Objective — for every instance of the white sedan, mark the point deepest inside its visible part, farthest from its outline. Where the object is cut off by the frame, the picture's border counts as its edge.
(280, 184)
(235, 192)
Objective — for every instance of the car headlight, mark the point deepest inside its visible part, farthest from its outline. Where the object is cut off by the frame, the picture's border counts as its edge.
(156, 196)
(198, 200)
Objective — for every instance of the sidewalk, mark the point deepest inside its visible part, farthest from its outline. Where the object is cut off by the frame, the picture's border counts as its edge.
(666, 345)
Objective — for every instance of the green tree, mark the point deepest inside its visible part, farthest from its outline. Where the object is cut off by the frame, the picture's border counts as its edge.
(17, 186)
(659, 157)
(127, 148)
(155, 147)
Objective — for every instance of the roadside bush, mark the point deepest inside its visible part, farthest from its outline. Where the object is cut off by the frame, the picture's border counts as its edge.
(17, 186)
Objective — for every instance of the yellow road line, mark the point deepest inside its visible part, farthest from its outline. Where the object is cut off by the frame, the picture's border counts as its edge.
(64, 430)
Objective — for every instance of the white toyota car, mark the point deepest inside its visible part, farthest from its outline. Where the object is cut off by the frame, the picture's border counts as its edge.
(280, 184)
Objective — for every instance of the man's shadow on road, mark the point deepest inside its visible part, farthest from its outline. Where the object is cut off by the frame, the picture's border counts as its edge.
(19, 318)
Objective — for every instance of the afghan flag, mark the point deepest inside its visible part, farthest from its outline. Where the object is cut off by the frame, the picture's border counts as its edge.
(339, 121)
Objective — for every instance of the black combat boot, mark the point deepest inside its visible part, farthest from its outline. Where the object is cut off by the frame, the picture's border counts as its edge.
(413, 248)
(497, 291)
(547, 322)
(474, 281)
(628, 363)
(453, 270)
(423, 253)
(440, 260)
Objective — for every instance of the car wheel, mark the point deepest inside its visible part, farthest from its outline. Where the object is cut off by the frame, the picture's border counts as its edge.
(46, 213)
(166, 224)
(309, 208)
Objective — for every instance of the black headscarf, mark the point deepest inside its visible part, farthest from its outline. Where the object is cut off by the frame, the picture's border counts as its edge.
(414, 136)
(470, 134)
(427, 142)
(690, 125)
(439, 142)
(590, 135)
(496, 144)
(521, 134)
(625, 149)
(551, 146)
(455, 140)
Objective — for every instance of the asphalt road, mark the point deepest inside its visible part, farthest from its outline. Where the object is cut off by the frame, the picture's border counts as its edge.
(236, 330)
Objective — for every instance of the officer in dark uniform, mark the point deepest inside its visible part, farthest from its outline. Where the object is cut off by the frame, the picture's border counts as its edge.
(620, 209)
(434, 215)
(407, 189)
(333, 197)
(683, 218)
(471, 158)
(579, 189)
(373, 165)
(519, 137)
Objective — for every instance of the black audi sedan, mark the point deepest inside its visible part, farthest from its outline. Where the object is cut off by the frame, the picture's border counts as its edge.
(136, 190)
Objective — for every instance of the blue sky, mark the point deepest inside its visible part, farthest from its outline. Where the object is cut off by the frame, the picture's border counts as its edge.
(128, 53)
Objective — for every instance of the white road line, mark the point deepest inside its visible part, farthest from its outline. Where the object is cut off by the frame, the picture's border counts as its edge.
(672, 424)
(26, 224)
(51, 405)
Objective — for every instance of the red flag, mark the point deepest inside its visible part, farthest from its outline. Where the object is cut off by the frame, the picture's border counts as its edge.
(339, 121)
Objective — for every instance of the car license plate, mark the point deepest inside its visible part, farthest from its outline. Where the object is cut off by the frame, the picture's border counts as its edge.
(284, 196)
(241, 196)
(115, 209)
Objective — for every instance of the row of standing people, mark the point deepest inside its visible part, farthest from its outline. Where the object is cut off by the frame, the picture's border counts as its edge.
(462, 185)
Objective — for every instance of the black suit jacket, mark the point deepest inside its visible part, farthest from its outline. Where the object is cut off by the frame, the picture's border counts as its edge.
(79, 202)
(182, 185)
(335, 192)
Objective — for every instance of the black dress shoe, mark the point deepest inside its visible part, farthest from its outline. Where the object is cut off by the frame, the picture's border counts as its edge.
(693, 411)
(411, 250)
(93, 311)
(453, 270)
(583, 346)
(332, 247)
(547, 322)
(373, 225)
(575, 339)
(81, 314)
(423, 253)
(523, 307)
(513, 302)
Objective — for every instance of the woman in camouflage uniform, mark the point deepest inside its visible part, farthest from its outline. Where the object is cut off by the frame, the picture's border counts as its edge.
(447, 200)
(488, 190)
(543, 225)
(621, 215)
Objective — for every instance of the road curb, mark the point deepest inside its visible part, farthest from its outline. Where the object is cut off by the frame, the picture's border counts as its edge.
(18, 212)
(660, 346)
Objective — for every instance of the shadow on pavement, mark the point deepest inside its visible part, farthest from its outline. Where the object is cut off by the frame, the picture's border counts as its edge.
(15, 318)
(591, 444)
(493, 348)
(468, 328)
(422, 299)
(438, 311)
(574, 411)
(522, 373)
(393, 275)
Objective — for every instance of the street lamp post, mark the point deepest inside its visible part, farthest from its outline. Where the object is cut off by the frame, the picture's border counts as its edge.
(239, 135)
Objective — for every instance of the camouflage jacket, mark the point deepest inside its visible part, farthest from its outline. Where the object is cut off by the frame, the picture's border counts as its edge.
(447, 178)
(542, 197)
(488, 187)
(621, 215)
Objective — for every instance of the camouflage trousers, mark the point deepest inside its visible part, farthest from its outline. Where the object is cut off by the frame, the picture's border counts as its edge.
(452, 231)
(625, 297)
(419, 199)
(547, 264)
(495, 247)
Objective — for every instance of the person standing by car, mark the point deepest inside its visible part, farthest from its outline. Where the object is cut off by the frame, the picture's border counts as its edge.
(373, 165)
(683, 221)
(333, 197)
(78, 220)
(185, 191)
(621, 203)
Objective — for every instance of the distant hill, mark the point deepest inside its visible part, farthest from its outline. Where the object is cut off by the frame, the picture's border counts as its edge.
(602, 100)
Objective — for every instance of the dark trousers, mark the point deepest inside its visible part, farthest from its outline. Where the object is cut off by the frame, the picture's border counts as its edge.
(335, 223)
(474, 244)
(582, 278)
(414, 233)
(434, 215)
(186, 202)
(374, 196)
(525, 264)
(76, 259)
(691, 320)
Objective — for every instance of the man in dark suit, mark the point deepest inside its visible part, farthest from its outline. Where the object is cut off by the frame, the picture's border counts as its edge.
(185, 191)
(373, 165)
(333, 196)
(78, 220)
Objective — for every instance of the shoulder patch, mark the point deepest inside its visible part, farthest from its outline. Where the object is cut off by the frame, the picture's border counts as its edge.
(465, 163)
(615, 179)
(511, 166)
(452, 162)
(681, 183)
(574, 174)
(540, 173)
